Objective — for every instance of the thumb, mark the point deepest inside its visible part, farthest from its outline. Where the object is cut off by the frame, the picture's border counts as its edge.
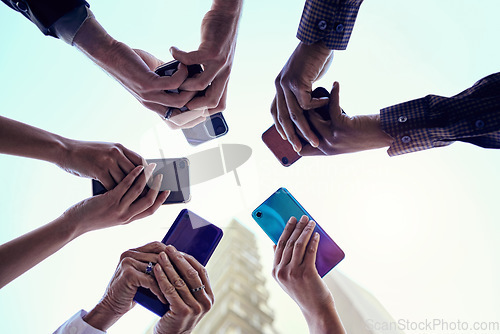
(335, 109)
(187, 58)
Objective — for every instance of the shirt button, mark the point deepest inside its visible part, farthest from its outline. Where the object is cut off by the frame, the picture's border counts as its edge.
(402, 119)
(339, 27)
(22, 6)
(322, 25)
(406, 139)
(479, 124)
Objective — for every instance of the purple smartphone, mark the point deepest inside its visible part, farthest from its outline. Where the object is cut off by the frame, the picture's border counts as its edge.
(192, 235)
(274, 213)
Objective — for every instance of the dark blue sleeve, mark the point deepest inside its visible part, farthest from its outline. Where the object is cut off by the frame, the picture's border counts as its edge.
(44, 13)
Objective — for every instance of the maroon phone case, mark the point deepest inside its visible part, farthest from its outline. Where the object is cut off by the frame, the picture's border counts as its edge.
(282, 149)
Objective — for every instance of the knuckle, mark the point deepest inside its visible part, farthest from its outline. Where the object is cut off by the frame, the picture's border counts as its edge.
(299, 244)
(197, 309)
(169, 289)
(281, 243)
(184, 311)
(126, 254)
(179, 283)
(192, 273)
(282, 275)
(126, 262)
(290, 243)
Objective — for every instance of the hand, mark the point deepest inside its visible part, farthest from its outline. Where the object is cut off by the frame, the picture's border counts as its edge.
(295, 271)
(177, 275)
(106, 162)
(129, 275)
(216, 51)
(121, 205)
(293, 92)
(134, 69)
(345, 134)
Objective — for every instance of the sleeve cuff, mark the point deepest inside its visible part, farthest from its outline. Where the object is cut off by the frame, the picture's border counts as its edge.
(329, 22)
(68, 26)
(407, 124)
(76, 325)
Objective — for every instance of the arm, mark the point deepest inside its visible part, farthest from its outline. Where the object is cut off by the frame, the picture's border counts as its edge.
(295, 271)
(106, 162)
(472, 116)
(325, 26)
(118, 206)
(219, 30)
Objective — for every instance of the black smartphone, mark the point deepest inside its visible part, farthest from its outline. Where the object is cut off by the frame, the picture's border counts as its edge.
(192, 235)
(175, 178)
(213, 127)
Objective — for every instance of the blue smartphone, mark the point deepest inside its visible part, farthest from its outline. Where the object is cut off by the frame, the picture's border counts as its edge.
(192, 235)
(274, 213)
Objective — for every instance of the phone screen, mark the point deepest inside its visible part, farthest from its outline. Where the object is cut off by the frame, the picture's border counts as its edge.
(192, 235)
(175, 178)
(274, 213)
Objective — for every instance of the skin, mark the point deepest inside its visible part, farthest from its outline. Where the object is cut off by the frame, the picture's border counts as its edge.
(119, 206)
(133, 68)
(341, 133)
(107, 162)
(175, 274)
(295, 271)
(216, 52)
(306, 65)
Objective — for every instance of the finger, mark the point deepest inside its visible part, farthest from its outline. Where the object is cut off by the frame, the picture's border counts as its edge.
(162, 83)
(133, 157)
(335, 110)
(290, 244)
(182, 118)
(286, 123)
(203, 275)
(285, 235)
(298, 118)
(167, 289)
(107, 181)
(152, 247)
(222, 103)
(174, 276)
(126, 183)
(117, 174)
(187, 58)
(306, 101)
(301, 244)
(277, 125)
(138, 276)
(136, 189)
(308, 150)
(212, 95)
(160, 100)
(188, 125)
(144, 203)
(160, 199)
(311, 252)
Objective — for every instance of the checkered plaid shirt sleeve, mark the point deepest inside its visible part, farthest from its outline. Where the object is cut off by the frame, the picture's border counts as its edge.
(329, 21)
(472, 116)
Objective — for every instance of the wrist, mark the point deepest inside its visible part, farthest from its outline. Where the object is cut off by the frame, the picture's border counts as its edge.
(230, 7)
(100, 317)
(380, 137)
(318, 49)
(324, 320)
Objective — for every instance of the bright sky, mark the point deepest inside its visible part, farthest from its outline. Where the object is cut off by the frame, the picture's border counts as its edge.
(419, 231)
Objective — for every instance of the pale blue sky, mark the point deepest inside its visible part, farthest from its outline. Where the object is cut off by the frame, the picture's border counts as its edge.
(419, 231)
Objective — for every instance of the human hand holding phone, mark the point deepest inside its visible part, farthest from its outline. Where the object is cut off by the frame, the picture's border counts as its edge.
(295, 271)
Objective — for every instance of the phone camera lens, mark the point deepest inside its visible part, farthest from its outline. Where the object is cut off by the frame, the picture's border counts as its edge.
(182, 165)
(258, 214)
(284, 160)
(216, 126)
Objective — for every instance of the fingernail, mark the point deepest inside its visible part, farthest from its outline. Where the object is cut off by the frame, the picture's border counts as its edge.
(296, 148)
(163, 257)
(316, 236)
(158, 268)
(141, 168)
(335, 84)
(313, 143)
(171, 49)
(311, 223)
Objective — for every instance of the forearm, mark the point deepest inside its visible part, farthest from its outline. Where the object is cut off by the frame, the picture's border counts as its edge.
(23, 253)
(24, 140)
(324, 321)
(231, 7)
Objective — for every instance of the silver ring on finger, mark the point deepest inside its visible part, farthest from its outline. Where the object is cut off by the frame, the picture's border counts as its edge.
(198, 289)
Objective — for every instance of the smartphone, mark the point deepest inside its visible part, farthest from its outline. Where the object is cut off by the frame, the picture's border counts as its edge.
(213, 127)
(175, 178)
(282, 149)
(192, 235)
(274, 213)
